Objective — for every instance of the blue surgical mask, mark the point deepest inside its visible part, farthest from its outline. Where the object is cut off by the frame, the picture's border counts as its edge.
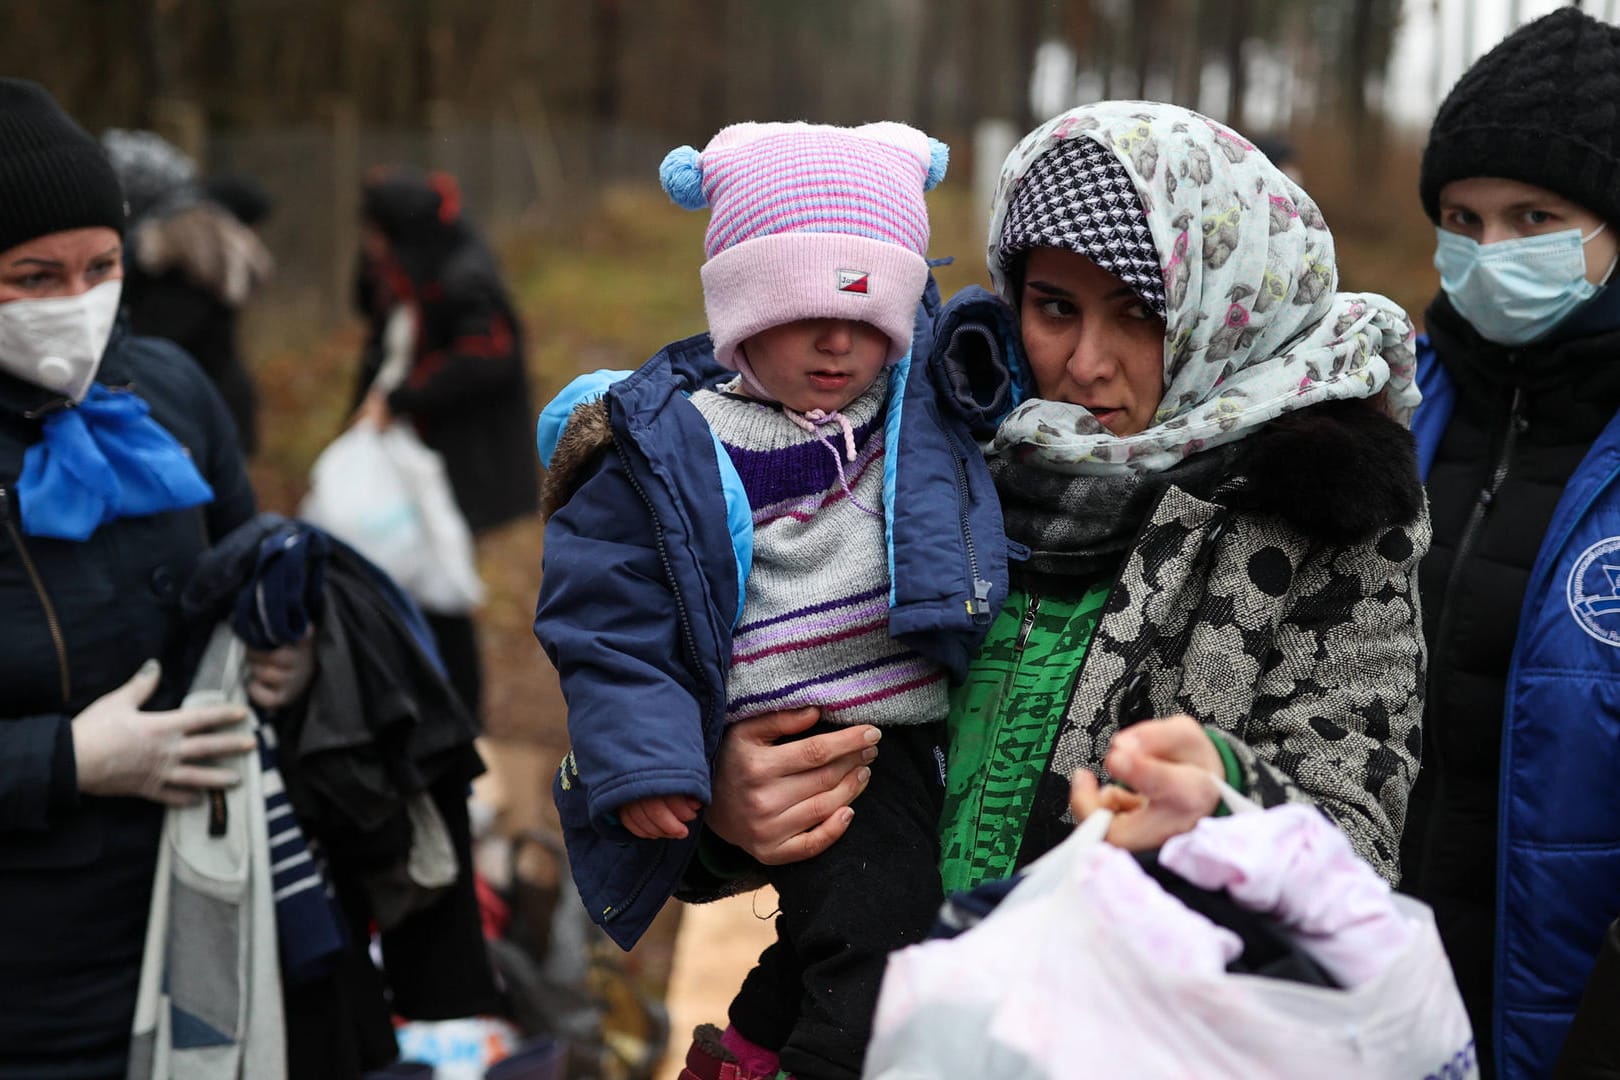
(1515, 291)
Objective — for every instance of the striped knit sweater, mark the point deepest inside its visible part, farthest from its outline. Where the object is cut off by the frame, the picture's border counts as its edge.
(815, 621)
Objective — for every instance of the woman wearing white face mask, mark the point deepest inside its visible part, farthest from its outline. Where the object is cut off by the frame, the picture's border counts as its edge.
(1514, 835)
(118, 465)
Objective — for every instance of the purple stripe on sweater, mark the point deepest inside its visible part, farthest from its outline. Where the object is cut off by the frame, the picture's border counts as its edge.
(900, 668)
(823, 679)
(807, 625)
(803, 508)
(825, 605)
(793, 472)
(834, 707)
(869, 628)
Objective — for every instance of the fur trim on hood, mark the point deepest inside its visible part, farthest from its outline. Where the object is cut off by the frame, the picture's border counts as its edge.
(205, 242)
(585, 439)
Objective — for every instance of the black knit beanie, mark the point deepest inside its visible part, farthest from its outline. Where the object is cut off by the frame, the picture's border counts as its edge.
(1543, 108)
(53, 176)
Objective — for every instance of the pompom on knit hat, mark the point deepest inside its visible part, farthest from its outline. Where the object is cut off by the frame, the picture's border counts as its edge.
(810, 221)
(1078, 197)
(53, 175)
(1542, 108)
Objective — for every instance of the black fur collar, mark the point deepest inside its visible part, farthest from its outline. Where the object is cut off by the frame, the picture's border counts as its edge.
(1340, 472)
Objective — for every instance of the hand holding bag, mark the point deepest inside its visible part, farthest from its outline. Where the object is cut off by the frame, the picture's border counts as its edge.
(1089, 968)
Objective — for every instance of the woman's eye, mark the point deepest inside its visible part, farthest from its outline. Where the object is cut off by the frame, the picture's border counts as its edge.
(1138, 310)
(1055, 309)
(102, 268)
(31, 281)
(1538, 217)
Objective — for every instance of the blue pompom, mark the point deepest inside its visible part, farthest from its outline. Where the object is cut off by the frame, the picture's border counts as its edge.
(939, 156)
(682, 176)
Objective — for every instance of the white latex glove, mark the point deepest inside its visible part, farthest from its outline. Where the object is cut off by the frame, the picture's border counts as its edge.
(121, 750)
(279, 677)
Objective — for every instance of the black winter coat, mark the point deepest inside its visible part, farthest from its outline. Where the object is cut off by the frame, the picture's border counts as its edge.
(173, 307)
(468, 390)
(76, 621)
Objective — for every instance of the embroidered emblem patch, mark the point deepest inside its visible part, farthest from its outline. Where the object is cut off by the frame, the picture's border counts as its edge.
(1593, 591)
(853, 281)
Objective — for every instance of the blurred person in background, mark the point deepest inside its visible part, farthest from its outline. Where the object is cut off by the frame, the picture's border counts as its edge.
(193, 261)
(118, 467)
(444, 351)
(1515, 835)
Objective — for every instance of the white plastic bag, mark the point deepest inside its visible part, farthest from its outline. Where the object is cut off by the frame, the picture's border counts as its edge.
(1047, 986)
(386, 495)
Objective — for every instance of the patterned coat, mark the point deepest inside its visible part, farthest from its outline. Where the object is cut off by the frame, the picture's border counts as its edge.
(1281, 609)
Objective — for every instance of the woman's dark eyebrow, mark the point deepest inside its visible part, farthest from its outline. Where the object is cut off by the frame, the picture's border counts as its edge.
(55, 264)
(1049, 289)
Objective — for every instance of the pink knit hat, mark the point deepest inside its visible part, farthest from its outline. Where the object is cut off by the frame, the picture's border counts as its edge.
(810, 221)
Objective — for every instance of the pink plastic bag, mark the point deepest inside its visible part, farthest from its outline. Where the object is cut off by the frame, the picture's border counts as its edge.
(1084, 970)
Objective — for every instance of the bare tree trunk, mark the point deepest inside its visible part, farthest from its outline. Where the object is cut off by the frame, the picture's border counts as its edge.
(1357, 61)
(1030, 32)
(905, 59)
(1438, 36)
(150, 84)
(715, 93)
(604, 106)
(1237, 88)
(1145, 20)
(1188, 14)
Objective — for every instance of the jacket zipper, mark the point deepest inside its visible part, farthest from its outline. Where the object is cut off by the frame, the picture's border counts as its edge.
(979, 606)
(1465, 546)
(51, 620)
(612, 911)
(1026, 626)
(993, 712)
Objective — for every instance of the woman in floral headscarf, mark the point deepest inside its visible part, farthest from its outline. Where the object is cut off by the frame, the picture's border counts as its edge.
(1212, 506)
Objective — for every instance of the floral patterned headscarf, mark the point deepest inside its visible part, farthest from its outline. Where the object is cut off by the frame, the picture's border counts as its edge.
(1254, 326)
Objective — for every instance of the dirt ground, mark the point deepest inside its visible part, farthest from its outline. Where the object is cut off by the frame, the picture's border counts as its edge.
(714, 949)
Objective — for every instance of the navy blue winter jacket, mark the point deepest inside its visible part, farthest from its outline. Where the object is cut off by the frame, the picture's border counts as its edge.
(647, 551)
(77, 618)
(1558, 841)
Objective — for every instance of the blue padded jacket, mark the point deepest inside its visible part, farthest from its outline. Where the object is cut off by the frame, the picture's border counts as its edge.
(1558, 839)
(645, 568)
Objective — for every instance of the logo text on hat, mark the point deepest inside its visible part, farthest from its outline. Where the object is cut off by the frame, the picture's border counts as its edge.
(853, 281)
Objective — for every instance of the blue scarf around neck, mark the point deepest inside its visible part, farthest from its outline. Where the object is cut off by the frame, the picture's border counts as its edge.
(103, 460)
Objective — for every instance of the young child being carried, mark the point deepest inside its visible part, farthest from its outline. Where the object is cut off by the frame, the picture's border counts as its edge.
(783, 524)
